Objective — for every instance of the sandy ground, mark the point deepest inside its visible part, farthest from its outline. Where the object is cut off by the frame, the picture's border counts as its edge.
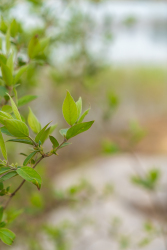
(108, 218)
(119, 205)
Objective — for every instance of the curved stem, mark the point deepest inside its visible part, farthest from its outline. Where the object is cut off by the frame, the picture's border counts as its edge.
(35, 144)
(21, 184)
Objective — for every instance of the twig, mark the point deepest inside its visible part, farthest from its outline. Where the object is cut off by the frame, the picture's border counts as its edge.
(21, 184)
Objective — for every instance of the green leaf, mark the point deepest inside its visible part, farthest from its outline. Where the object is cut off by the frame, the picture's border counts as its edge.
(52, 128)
(8, 176)
(8, 40)
(79, 106)
(16, 128)
(54, 141)
(23, 154)
(4, 170)
(153, 175)
(65, 144)
(6, 74)
(36, 46)
(7, 109)
(47, 133)
(3, 192)
(10, 62)
(1, 185)
(83, 115)
(29, 174)
(37, 138)
(23, 119)
(15, 95)
(3, 116)
(33, 47)
(22, 141)
(70, 111)
(3, 25)
(33, 122)
(14, 214)
(78, 128)
(29, 157)
(3, 59)
(43, 44)
(3, 91)
(19, 73)
(63, 131)
(7, 236)
(3, 147)
(15, 109)
(14, 28)
(1, 213)
(5, 131)
(2, 224)
(26, 99)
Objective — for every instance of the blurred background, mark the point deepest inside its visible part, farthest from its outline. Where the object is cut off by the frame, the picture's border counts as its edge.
(108, 189)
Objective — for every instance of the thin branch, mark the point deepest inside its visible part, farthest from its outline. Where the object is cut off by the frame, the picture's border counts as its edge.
(65, 140)
(21, 184)
(35, 144)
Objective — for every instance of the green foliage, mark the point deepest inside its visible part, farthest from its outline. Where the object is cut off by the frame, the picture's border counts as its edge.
(24, 54)
(78, 128)
(15, 110)
(83, 115)
(16, 128)
(6, 74)
(24, 141)
(4, 116)
(7, 236)
(46, 133)
(9, 62)
(33, 122)
(8, 176)
(7, 108)
(79, 106)
(3, 91)
(4, 170)
(149, 181)
(124, 242)
(39, 135)
(8, 44)
(37, 200)
(29, 174)
(54, 141)
(63, 131)
(36, 46)
(29, 157)
(70, 110)
(26, 99)
(19, 73)
(136, 132)
(3, 146)
(109, 147)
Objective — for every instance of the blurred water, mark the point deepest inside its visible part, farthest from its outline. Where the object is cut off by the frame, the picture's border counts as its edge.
(142, 43)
